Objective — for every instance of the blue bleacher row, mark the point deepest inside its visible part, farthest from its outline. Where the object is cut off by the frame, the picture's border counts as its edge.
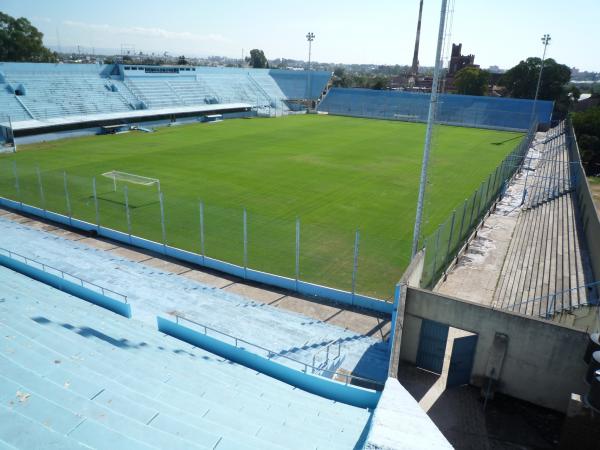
(73, 375)
(467, 110)
(60, 90)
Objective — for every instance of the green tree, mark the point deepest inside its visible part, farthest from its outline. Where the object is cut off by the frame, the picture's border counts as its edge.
(341, 78)
(521, 80)
(587, 129)
(21, 41)
(181, 61)
(472, 81)
(257, 59)
(379, 82)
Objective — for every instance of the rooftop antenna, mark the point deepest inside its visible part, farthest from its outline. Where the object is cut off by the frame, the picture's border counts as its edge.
(430, 119)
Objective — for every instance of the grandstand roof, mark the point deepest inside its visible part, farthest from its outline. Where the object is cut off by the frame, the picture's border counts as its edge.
(138, 114)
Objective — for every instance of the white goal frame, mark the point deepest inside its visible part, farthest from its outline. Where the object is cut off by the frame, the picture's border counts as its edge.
(117, 175)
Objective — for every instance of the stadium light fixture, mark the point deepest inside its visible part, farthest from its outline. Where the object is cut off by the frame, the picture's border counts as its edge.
(430, 119)
(310, 37)
(545, 40)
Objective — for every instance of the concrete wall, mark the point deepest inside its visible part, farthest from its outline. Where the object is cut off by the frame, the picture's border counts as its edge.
(543, 362)
(587, 210)
(400, 423)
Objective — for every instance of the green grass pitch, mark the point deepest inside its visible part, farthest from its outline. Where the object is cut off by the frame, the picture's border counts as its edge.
(335, 174)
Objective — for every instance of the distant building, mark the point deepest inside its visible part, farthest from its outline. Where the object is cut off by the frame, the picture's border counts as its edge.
(459, 61)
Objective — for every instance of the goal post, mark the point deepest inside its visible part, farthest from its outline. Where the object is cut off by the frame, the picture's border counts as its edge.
(124, 177)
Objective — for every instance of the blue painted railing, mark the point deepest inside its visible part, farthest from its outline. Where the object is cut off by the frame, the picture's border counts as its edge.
(238, 352)
(66, 282)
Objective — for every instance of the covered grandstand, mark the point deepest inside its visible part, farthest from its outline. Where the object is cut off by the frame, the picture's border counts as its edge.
(38, 98)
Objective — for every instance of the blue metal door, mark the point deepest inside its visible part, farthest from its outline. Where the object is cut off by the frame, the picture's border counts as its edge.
(461, 361)
(432, 345)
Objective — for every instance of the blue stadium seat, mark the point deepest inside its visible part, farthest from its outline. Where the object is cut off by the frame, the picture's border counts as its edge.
(463, 110)
(76, 374)
(62, 90)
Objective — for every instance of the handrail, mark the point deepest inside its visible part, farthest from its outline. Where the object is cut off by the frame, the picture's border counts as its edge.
(272, 354)
(554, 294)
(62, 273)
(326, 349)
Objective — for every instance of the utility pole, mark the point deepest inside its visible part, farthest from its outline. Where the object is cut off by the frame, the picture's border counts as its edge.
(430, 119)
(310, 37)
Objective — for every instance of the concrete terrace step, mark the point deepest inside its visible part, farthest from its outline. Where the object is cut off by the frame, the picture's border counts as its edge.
(153, 292)
(163, 346)
(17, 431)
(110, 400)
(126, 398)
(179, 391)
(544, 267)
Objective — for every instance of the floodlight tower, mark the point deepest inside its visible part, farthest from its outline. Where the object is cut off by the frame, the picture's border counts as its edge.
(545, 40)
(310, 37)
(430, 119)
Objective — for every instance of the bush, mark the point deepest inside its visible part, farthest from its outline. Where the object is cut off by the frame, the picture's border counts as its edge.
(587, 129)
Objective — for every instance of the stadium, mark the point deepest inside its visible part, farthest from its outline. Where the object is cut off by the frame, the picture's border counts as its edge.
(220, 257)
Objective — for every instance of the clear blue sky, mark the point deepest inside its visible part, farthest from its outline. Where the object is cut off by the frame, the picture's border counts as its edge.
(349, 31)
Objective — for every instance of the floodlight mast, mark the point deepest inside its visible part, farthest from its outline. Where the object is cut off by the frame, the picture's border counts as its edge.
(545, 40)
(430, 119)
(310, 37)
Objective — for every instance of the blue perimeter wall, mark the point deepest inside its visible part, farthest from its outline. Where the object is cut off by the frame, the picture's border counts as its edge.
(453, 109)
(299, 286)
(324, 387)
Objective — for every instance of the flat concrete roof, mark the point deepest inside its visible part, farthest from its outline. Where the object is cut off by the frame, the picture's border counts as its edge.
(133, 114)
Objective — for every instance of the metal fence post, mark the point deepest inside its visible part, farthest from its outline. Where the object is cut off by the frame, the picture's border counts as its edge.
(128, 217)
(450, 234)
(435, 252)
(201, 204)
(162, 219)
(41, 186)
(17, 185)
(68, 199)
(96, 202)
(297, 251)
(494, 182)
(473, 208)
(462, 221)
(355, 263)
(245, 230)
(484, 196)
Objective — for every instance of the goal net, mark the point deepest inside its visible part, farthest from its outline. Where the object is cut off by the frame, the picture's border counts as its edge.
(124, 177)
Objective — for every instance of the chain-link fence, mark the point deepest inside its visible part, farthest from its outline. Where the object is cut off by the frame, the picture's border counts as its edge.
(356, 261)
(347, 259)
(443, 245)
